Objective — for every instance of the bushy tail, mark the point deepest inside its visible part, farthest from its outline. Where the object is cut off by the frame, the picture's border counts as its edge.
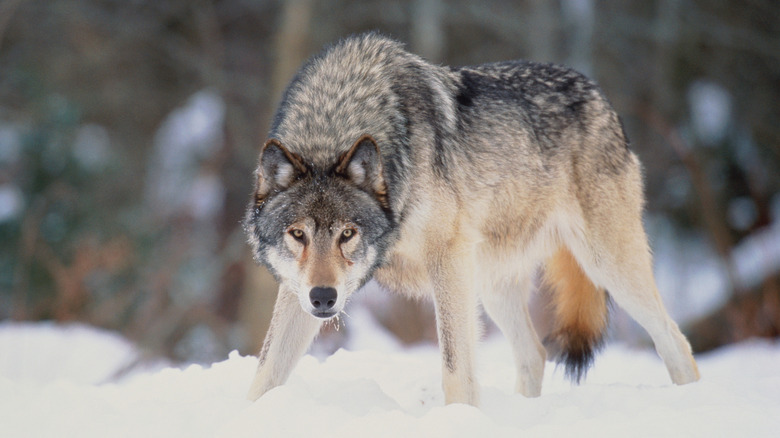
(580, 310)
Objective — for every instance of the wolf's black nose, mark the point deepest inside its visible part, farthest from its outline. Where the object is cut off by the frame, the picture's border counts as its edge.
(322, 298)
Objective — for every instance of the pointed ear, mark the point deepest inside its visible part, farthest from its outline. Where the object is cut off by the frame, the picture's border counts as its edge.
(362, 165)
(278, 169)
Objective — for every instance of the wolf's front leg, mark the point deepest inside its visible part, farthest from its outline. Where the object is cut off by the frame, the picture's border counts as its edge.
(289, 336)
(457, 324)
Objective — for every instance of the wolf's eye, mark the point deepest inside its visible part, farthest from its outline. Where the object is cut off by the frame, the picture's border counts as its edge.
(297, 234)
(347, 234)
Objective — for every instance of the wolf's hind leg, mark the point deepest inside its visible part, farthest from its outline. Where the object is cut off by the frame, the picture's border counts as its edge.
(618, 258)
(507, 305)
(289, 336)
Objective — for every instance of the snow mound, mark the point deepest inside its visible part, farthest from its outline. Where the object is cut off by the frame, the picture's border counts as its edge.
(45, 353)
(369, 393)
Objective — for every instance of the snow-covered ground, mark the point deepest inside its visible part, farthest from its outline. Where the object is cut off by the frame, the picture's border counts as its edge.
(57, 382)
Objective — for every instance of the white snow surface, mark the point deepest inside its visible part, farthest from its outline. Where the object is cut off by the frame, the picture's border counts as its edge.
(53, 384)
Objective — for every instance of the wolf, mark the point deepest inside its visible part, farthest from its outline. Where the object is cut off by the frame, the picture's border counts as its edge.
(457, 184)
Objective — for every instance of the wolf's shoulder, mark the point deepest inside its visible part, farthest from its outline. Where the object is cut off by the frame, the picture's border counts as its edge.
(366, 40)
(365, 48)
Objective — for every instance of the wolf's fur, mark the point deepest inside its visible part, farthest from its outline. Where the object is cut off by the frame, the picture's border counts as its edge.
(455, 183)
(580, 313)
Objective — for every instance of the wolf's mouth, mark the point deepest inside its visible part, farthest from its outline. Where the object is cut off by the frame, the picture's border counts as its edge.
(325, 314)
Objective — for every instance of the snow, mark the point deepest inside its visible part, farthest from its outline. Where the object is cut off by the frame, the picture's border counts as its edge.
(692, 278)
(711, 108)
(92, 147)
(11, 202)
(45, 353)
(757, 256)
(53, 383)
(189, 137)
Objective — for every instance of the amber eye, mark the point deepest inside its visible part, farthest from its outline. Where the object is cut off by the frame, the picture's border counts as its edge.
(297, 234)
(347, 234)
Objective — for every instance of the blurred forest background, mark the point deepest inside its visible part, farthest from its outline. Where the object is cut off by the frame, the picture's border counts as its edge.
(129, 130)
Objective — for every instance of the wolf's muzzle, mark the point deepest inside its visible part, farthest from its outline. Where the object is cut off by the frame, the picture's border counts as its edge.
(323, 299)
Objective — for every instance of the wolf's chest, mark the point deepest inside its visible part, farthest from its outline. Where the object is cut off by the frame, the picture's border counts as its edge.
(404, 274)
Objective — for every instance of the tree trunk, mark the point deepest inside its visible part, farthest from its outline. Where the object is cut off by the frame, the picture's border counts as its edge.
(292, 48)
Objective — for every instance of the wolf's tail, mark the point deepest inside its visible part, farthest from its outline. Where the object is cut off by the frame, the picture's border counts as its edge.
(580, 309)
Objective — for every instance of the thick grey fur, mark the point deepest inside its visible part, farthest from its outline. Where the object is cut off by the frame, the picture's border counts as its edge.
(369, 84)
(457, 182)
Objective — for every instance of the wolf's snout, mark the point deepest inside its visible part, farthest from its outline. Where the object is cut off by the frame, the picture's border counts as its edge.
(323, 298)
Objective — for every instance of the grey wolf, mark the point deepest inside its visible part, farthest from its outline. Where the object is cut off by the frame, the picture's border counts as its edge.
(455, 183)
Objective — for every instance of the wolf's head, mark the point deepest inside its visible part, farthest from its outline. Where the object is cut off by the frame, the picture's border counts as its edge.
(321, 230)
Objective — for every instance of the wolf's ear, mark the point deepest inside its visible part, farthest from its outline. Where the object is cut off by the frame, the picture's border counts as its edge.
(362, 165)
(278, 169)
